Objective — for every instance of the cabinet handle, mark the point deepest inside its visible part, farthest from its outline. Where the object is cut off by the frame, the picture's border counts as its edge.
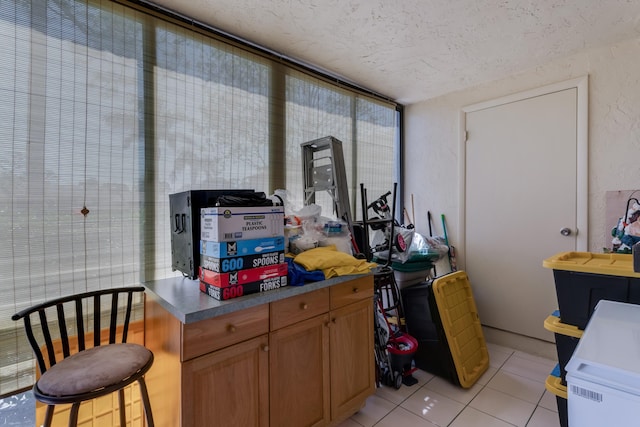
(333, 320)
(231, 328)
(355, 290)
(327, 324)
(265, 348)
(304, 306)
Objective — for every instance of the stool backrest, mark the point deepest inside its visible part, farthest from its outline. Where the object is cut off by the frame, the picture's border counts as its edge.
(57, 317)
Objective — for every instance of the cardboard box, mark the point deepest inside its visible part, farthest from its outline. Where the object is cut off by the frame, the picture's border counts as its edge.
(225, 265)
(242, 277)
(236, 291)
(224, 224)
(241, 247)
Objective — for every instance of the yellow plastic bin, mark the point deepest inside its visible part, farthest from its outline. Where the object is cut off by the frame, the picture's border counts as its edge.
(554, 385)
(441, 314)
(567, 337)
(584, 278)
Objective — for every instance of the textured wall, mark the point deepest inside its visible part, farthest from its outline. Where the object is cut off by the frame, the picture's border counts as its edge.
(432, 134)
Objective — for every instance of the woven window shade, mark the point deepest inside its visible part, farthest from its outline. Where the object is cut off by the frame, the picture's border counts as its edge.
(366, 128)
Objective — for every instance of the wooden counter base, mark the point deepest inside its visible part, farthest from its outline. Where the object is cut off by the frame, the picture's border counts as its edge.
(306, 360)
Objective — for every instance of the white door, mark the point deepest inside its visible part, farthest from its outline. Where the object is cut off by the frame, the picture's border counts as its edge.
(522, 187)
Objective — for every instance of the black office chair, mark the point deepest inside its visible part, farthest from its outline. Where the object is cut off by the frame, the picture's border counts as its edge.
(85, 373)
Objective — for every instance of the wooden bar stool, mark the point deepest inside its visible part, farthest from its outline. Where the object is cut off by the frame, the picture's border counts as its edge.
(86, 372)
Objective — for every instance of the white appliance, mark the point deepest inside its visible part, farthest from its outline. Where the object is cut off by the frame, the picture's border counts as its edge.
(603, 375)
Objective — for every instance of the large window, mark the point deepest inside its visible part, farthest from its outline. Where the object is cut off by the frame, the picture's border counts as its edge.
(107, 109)
(366, 128)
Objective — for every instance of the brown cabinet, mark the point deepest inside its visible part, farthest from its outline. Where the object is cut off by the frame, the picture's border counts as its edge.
(305, 360)
(299, 368)
(351, 379)
(228, 387)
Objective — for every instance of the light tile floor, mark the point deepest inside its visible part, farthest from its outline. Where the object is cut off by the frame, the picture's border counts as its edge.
(510, 393)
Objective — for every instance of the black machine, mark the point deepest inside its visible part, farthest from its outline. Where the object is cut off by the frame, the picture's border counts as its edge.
(185, 225)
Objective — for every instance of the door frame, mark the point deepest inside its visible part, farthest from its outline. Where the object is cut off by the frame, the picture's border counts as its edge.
(582, 152)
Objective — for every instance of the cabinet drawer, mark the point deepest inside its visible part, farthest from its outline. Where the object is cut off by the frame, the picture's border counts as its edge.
(212, 334)
(351, 291)
(299, 307)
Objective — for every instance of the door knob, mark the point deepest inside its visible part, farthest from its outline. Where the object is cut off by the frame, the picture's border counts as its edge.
(566, 231)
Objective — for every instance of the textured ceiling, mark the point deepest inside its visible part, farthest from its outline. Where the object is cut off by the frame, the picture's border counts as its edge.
(412, 50)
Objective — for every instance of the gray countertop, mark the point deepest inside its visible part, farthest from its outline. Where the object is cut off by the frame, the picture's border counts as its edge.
(182, 297)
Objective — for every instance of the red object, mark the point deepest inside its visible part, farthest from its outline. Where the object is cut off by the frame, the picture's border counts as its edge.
(241, 277)
(401, 358)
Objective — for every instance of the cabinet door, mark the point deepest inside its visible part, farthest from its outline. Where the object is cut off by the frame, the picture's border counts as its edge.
(352, 360)
(228, 387)
(299, 368)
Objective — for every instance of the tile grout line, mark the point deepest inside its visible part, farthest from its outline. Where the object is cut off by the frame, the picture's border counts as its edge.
(476, 395)
(498, 368)
(513, 353)
(466, 405)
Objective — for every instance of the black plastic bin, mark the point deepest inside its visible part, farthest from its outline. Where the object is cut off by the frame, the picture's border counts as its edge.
(441, 315)
(554, 386)
(579, 293)
(567, 338)
(584, 278)
(424, 324)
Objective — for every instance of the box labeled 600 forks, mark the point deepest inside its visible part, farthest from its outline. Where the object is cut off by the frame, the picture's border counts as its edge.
(242, 277)
(235, 291)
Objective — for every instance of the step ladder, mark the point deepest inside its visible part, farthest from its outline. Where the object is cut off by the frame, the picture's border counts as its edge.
(324, 170)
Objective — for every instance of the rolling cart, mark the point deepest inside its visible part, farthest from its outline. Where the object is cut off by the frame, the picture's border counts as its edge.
(394, 348)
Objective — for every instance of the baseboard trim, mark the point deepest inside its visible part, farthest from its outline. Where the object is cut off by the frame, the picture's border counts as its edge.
(523, 343)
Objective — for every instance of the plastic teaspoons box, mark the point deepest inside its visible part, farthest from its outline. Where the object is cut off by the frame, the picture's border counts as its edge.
(223, 224)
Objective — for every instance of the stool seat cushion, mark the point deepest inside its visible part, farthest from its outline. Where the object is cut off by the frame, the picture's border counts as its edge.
(94, 369)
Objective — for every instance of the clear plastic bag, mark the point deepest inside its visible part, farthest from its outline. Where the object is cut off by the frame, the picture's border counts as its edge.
(418, 245)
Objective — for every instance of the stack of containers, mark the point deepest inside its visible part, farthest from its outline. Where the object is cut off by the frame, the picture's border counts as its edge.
(241, 250)
(554, 385)
(566, 337)
(581, 280)
(415, 270)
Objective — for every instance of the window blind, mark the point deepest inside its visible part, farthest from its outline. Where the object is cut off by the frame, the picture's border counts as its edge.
(108, 108)
(366, 128)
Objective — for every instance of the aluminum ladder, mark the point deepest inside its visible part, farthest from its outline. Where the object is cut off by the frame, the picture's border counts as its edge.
(324, 170)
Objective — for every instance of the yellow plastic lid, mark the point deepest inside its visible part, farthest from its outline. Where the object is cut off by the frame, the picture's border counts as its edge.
(552, 323)
(554, 385)
(461, 325)
(588, 262)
